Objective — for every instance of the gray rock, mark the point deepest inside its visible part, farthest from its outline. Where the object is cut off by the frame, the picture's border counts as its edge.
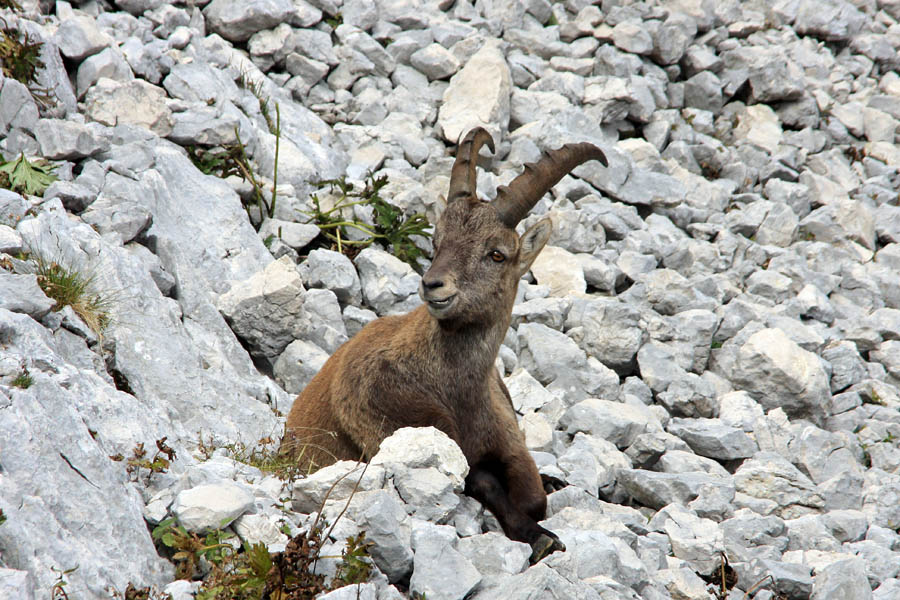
(769, 476)
(881, 492)
(334, 271)
(885, 354)
(477, 95)
(435, 62)
(439, 569)
(557, 362)
(211, 506)
(613, 421)
(123, 219)
(297, 364)
(591, 464)
(632, 36)
(704, 91)
(16, 584)
(833, 20)
(147, 60)
(109, 63)
(713, 439)
(385, 279)
(559, 270)
(842, 579)
(540, 581)
(669, 292)
(680, 461)
(792, 580)
(22, 294)
(335, 483)
(659, 489)
(56, 458)
(383, 519)
(887, 589)
(60, 139)
(295, 235)
(672, 38)
(265, 309)
(846, 525)
(546, 311)
(810, 533)
(136, 102)
(79, 37)
(695, 540)
(360, 591)
(17, 107)
(422, 448)
(204, 125)
(357, 318)
(237, 21)
(494, 553)
(777, 372)
(609, 330)
(526, 392)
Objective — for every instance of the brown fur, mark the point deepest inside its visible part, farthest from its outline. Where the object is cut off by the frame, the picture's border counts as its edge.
(435, 366)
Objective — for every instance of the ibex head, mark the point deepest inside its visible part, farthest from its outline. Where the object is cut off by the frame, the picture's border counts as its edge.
(478, 256)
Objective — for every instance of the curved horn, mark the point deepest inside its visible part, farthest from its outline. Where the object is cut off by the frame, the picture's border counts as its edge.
(514, 201)
(462, 176)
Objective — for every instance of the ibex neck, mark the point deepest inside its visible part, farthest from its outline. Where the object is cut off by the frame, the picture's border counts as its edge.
(470, 347)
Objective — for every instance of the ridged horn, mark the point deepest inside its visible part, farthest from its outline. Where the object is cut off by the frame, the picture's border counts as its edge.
(463, 176)
(515, 200)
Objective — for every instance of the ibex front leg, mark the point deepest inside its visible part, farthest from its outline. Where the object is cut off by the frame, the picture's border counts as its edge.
(487, 482)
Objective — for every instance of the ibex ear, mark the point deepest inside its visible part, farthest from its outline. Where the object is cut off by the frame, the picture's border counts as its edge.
(532, 242)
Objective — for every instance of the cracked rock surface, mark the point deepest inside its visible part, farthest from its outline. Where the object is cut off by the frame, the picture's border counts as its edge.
(704, 357)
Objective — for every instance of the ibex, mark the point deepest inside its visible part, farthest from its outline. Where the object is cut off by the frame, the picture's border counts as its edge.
(435, 365)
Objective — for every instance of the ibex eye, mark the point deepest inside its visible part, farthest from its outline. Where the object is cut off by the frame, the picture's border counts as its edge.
(497, 256)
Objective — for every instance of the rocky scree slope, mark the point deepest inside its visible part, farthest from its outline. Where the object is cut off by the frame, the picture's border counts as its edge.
(706, 353)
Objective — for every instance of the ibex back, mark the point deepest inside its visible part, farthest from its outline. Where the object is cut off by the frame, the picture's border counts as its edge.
(435, 365)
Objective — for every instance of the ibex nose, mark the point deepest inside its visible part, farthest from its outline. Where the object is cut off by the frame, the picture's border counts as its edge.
(432, 283)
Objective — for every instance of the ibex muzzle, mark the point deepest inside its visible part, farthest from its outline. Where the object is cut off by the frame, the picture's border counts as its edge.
(435, 365)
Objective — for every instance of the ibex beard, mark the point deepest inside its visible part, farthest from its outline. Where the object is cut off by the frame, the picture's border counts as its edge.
(434, 366)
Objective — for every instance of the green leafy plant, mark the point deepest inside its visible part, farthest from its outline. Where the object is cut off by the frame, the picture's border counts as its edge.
(71, 287)
(188, 548)
(390, 226)
(20, 57)
(24, 177)
(23, 380)
(238, 576)
(2, 517)
(158, 464)
(251, 572)
(356, 566)
(232, 159)
(336, 21)
(219, 162)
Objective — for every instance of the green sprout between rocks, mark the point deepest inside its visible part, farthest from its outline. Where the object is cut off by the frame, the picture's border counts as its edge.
(265, 456)
(71, 287)
(23, 380)
(389, 227)
(24, 177)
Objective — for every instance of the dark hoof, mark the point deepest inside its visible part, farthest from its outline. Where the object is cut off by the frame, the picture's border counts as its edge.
(544, 546)
(552, 484)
